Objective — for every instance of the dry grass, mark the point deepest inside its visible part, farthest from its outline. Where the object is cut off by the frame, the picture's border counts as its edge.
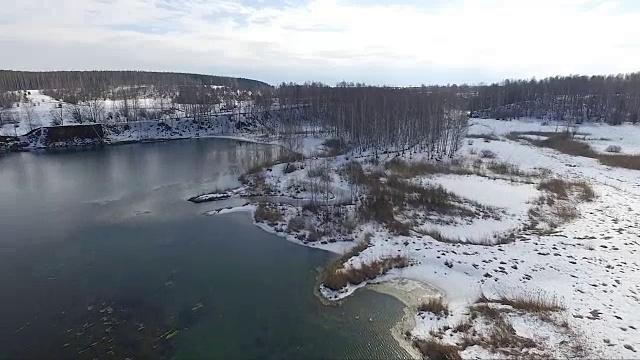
(504, 168)
(562, 188)
(387, 198)
(268, 213)
(484, 310)
(401, 167)
(622, 161)
(337, 277)
(435, 306)
(503, 336)
(436, 350)
(406, 170)
(530, 302)
(487, 154)
(565, 143)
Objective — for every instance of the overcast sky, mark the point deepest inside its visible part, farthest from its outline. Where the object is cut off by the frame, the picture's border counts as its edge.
(393, 42)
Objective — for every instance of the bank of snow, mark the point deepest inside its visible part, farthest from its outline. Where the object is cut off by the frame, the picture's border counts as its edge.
(590, 264)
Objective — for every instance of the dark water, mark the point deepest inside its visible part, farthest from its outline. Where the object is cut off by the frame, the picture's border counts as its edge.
(102, 257)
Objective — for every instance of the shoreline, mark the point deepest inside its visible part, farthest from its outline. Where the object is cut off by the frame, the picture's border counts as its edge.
(409, 292)
(243, 138)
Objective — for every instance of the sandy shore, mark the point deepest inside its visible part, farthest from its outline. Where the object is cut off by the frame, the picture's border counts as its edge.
(411, 293)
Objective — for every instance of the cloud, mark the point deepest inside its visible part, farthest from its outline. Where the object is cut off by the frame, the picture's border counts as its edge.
(392, 42)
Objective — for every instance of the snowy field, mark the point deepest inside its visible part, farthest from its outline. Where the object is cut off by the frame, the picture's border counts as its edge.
(591, 265)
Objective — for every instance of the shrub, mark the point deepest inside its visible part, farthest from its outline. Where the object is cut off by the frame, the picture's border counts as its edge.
(613, 149)
(334, 147)
(296, 224)
(435, 305)
(269, 213)
(321, 171)
(487, 154)
(289, 168)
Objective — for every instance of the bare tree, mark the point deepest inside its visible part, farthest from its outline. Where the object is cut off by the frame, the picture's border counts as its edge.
(94, 110)
(57, 115)
(30, 115)
(76, 113)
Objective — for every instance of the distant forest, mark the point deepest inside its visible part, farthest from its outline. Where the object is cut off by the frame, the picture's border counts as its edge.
(612, 99)
(23, 80)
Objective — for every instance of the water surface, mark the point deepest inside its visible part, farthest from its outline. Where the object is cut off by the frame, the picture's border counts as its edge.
(102, 257)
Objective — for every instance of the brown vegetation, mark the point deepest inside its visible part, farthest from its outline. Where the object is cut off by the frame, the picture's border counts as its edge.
(296, 223)
(336, 277)
(268, 213)
(435, 305)
(565, 143)
(436, 350)
(483, 136)
(562, 188)
(487, 154)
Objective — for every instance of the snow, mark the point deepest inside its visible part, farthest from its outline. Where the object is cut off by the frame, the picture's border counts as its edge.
(591, 263)
(599, 136)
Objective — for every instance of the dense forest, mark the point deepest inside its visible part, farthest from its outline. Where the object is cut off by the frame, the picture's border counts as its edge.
(610, 99)
(23, 80)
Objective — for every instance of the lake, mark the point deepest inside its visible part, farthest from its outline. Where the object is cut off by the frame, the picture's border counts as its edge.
(101, 256)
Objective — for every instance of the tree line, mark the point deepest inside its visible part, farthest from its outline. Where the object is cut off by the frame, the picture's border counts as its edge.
(36, 80)
(612, 99)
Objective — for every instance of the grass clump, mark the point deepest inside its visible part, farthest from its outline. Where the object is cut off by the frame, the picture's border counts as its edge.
(435, 306)
(504, 168)
(487, 154)
(337, 278)
(562, 188)
(268, 213)
(532, 302)
(436, 350)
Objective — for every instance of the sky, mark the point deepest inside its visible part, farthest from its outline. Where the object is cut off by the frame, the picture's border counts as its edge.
(390, 42)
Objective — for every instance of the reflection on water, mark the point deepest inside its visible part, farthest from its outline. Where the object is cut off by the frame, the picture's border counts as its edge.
(102, 257)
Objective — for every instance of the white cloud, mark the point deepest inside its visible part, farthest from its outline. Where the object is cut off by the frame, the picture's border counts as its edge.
(330, 40)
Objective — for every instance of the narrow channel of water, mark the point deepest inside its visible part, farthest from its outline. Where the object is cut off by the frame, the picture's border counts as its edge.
(102, 257)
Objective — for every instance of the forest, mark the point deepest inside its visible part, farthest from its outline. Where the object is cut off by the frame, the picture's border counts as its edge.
(91, 80)
(431, 119)
(612, 99)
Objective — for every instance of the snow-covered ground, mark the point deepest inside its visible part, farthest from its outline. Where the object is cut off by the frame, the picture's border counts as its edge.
(590, 264)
